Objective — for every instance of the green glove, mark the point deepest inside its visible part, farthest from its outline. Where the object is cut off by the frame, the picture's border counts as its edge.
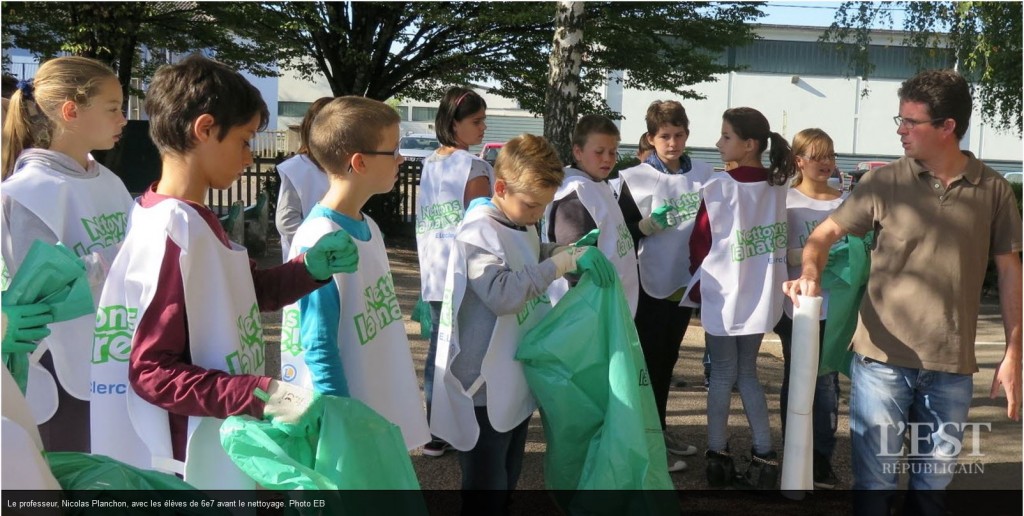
(333, 253)
(593, 260)
(24, 326)
(661, 214)
(588, 239)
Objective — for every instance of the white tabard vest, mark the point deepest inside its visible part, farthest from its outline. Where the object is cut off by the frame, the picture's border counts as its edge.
(509, 400)
(803, 214)
(439, 210)
(665, 256)
(23, 465)
(87, 215)
(224, 329)
(372, 341)
(615, 241)
(741, 277)
(310, 184)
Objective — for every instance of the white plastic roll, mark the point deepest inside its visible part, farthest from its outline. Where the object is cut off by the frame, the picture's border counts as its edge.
(797, 468)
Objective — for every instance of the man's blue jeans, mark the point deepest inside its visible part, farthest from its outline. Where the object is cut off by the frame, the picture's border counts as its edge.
(886, 401)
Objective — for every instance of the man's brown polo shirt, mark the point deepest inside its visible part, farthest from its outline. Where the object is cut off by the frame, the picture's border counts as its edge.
(932, 246)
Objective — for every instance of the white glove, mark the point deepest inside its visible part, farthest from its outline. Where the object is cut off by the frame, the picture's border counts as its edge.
(286, 403)
(565, 259)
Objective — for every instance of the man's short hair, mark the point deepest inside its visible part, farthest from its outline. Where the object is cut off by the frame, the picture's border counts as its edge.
(528, 163)
(195, 86)
(945, 92)
(665, 112)
(345, 126)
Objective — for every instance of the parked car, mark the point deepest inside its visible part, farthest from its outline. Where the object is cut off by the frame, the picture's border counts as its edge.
(417, 146)
(1014, 177)
(489, 152)
(863, 168)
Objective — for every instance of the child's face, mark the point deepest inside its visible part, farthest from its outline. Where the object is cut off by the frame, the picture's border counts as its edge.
(223, 161)
(816, 165)
(731, 146)
(470, 130)
(669, 142)
(522, 208)
(381, 167)
(598, 155)
(100, 123)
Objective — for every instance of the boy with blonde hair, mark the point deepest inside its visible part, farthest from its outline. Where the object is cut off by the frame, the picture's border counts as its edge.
(352, 340)
(498, 274)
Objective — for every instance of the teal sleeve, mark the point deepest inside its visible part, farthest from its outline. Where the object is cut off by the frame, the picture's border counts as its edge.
(320, 313)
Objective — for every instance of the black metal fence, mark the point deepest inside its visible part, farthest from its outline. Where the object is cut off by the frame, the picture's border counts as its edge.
(394, 212)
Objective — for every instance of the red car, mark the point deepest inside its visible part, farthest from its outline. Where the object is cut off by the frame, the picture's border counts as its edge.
(489, 152)
(863, 168)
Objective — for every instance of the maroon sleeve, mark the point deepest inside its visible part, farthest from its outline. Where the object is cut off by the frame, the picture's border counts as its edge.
(700, 245)
(160, 368)
(277, 287)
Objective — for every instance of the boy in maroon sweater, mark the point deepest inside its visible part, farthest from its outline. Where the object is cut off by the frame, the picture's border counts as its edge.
(197, 349)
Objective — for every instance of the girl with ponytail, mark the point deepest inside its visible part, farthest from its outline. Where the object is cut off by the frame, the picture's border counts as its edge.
(54, 191)
(738, 257)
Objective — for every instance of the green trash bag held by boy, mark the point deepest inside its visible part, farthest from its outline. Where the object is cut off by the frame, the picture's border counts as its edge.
(585, 368)
(845, 278)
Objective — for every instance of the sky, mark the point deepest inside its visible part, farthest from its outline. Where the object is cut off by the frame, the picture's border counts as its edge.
(815, 14)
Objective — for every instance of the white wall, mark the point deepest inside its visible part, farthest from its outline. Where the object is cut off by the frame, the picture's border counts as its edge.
(829, 103)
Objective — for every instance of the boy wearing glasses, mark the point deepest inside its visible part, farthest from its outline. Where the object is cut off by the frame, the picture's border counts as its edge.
(352, 341)
(939, 214)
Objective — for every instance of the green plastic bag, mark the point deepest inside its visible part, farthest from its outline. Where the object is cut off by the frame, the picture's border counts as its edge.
(421, 314)
(845, 278)
(88, 475)
(584, 365)
(340, 444)
(50, 274)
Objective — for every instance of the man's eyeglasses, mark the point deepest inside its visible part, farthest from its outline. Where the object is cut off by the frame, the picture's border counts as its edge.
(395, 153)
(910, 123)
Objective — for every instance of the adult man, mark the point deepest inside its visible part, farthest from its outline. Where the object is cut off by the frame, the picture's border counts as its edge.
(938, 214)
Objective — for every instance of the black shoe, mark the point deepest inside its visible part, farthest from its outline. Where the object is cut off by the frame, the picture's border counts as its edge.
(707, 382)
(762, 473)
(720, 469)
(436, 448)
(824, 477)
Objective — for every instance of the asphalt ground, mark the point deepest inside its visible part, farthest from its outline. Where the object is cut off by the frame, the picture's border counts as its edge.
(998, 467)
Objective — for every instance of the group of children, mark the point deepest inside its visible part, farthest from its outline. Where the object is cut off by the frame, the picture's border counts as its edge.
(177, 340)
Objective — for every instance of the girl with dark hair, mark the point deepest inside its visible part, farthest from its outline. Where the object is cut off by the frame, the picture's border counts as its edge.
(451, 178)
(738, 260)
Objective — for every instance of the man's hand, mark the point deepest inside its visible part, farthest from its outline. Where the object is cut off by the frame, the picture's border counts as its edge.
(1008, 374)
(802, 286)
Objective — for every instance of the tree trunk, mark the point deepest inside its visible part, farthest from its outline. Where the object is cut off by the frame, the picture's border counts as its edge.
(562, 98)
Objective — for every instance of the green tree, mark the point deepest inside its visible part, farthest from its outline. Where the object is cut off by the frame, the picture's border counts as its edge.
(983, 37)
(116, 32)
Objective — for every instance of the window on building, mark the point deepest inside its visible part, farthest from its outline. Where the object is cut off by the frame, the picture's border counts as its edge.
(403, 112)
(297, 109)
(424, 114)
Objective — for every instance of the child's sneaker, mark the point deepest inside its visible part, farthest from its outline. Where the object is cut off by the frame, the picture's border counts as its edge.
(674, 465)
(762, 473)
(720, 470)
(824, 477)
(675, 445)
(436, 448)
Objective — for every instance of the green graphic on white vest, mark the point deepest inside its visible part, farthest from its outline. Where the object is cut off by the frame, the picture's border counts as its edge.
(446, 313)
(524, 314)
(249, 358)
(758, 240)
(438, 216)
(104, 231)
(5, 275)
(684, 207)
(624, 242)
(381, 309)
(290, 331)
(112, 340)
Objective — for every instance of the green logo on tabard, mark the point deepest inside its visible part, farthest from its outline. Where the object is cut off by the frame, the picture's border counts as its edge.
(758, 240)
(290, 331)
(381, 309)
(249, 358)
(438, 216)
(112, 338)
(103, 231)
